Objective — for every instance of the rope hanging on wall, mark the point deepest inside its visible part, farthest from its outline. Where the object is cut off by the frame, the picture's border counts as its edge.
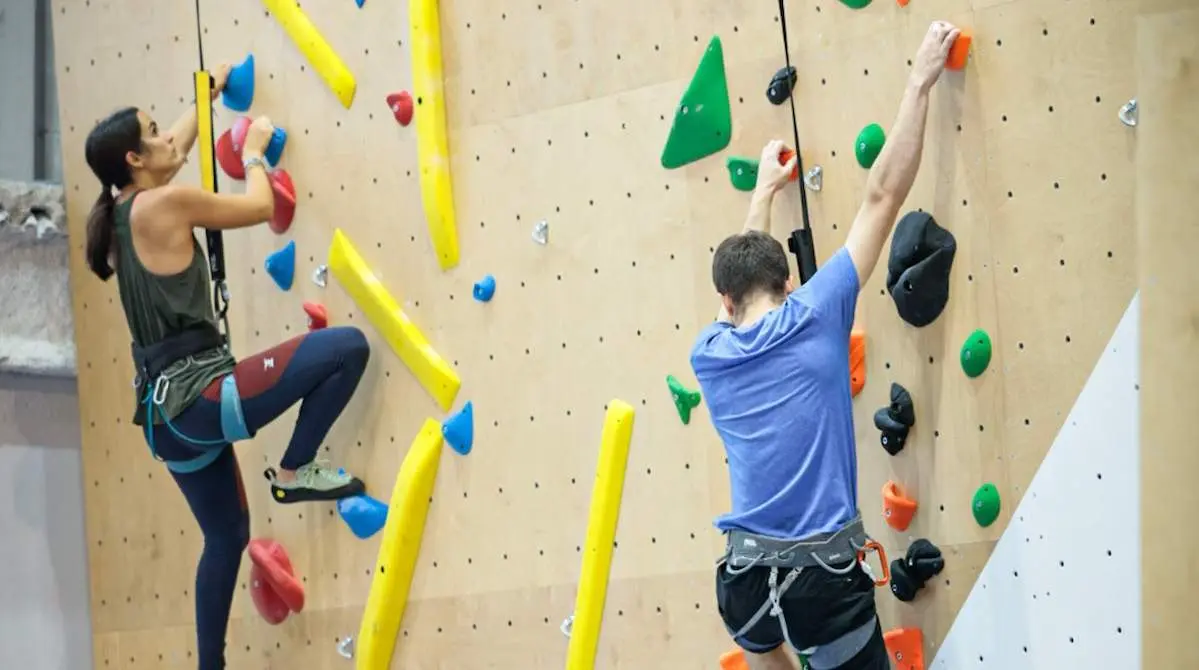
(800, 243)
(204, 140)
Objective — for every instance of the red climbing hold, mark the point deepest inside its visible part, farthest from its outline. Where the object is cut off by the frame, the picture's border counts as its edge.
(241, 126)
(786, 155)
(227, 158)
(266, 601)
(285, 201)
(401, 106)
(277, 575)
(318, 316)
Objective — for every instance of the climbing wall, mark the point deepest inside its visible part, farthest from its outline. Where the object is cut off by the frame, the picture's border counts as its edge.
(557, 113)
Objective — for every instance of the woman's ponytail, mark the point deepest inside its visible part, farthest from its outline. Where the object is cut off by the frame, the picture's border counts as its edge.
(106, 147)
(101, 224)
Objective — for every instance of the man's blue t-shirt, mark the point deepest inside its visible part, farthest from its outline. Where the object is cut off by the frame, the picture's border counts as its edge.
(779, 396)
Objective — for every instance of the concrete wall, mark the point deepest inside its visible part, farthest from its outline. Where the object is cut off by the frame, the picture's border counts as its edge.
(44, 614)
(28, 108)
(44, 620)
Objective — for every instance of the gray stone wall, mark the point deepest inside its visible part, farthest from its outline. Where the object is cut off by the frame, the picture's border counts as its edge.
(36, 325)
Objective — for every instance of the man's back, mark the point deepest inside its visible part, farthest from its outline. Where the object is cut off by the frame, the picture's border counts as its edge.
(779, 396)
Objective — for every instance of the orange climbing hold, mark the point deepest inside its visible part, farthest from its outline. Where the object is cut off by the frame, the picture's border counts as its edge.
(857, 361)
(960, 51)
(784, 156)
(735, 659)
(898, 508)
(906, 648)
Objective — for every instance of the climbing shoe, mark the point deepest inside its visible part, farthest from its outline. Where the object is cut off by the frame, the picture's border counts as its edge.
(315, 481)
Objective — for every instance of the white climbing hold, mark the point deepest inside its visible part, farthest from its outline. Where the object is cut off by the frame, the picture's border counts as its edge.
(346, 647)
(541, 232)
(567, 624)
(814, 178)
(320, 276)
(1128, 113)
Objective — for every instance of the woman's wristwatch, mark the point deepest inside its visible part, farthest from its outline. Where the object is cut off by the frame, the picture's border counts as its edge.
(254, 160)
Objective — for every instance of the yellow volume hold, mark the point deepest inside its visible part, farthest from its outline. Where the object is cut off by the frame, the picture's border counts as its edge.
(430, 369)
(402, 534)
(432, 146)
(312, 44)
(601, 534)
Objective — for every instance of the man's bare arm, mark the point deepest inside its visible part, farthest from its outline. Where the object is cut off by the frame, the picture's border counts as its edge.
(895, 170)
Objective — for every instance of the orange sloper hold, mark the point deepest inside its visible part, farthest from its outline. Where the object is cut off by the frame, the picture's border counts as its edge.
(898, 508)
(960, 51)
(857, 361)
(905, 646)
(733, 660)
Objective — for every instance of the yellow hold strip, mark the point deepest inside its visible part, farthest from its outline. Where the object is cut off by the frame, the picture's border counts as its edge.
(382, 310)
(406, 515)
(601, 534)
(204, 136)
(432, 147)
(312, 44)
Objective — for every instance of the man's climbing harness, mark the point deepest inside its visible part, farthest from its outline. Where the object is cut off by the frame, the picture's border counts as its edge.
(800, 243)
(747, 550)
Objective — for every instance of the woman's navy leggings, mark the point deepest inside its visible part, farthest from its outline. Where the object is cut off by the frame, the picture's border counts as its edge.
(320, 370)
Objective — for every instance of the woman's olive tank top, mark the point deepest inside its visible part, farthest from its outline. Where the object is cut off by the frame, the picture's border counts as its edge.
(160, 305)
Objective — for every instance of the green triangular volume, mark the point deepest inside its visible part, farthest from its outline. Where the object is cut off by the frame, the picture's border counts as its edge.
(703, 120)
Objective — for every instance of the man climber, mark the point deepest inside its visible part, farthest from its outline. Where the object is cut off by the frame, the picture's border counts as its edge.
(774, 370)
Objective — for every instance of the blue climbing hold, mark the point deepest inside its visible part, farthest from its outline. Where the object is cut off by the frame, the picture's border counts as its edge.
(363, 514)
(274, 148)
(239, 87)
(484, 288)
(281, 265)
(360, 3)
(459, 430)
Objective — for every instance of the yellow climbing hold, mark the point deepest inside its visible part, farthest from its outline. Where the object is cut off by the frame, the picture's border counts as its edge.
(312, 44)
(430, 369)
(402, 534)
(432, 146)
(601, 534)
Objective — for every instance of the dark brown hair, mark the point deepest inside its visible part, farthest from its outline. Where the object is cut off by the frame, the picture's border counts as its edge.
(105, 150)
(749, 263)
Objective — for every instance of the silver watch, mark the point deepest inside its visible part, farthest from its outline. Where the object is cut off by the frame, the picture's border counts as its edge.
(254, 160)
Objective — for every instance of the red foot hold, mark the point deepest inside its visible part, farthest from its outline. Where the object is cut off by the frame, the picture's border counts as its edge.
(227, 158)
(285, 201)
(318, 316)
(271, 558)
(266, 601)
(401, 106)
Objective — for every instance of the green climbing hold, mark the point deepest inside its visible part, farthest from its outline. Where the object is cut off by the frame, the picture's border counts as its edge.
(976, 353)
(743, 172)
(703, 121)
(869, 144)
(986, 505)
(685, 399)
(856, 4)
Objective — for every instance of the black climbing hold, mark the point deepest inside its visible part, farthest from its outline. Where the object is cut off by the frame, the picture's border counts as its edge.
(918, 270)
(895, 419)
(781, 85)
(910, 573)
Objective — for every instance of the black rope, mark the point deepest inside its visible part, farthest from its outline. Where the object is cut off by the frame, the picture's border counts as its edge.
(214, 240)
(800, 243)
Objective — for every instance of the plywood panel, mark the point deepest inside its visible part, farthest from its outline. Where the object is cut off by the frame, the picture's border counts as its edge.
(557, 112)
(1167, 67)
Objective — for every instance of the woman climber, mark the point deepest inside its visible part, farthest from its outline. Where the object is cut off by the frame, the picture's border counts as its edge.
(193, 398)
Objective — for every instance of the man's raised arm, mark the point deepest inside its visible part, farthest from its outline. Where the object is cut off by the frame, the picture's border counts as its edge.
(894, 171)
